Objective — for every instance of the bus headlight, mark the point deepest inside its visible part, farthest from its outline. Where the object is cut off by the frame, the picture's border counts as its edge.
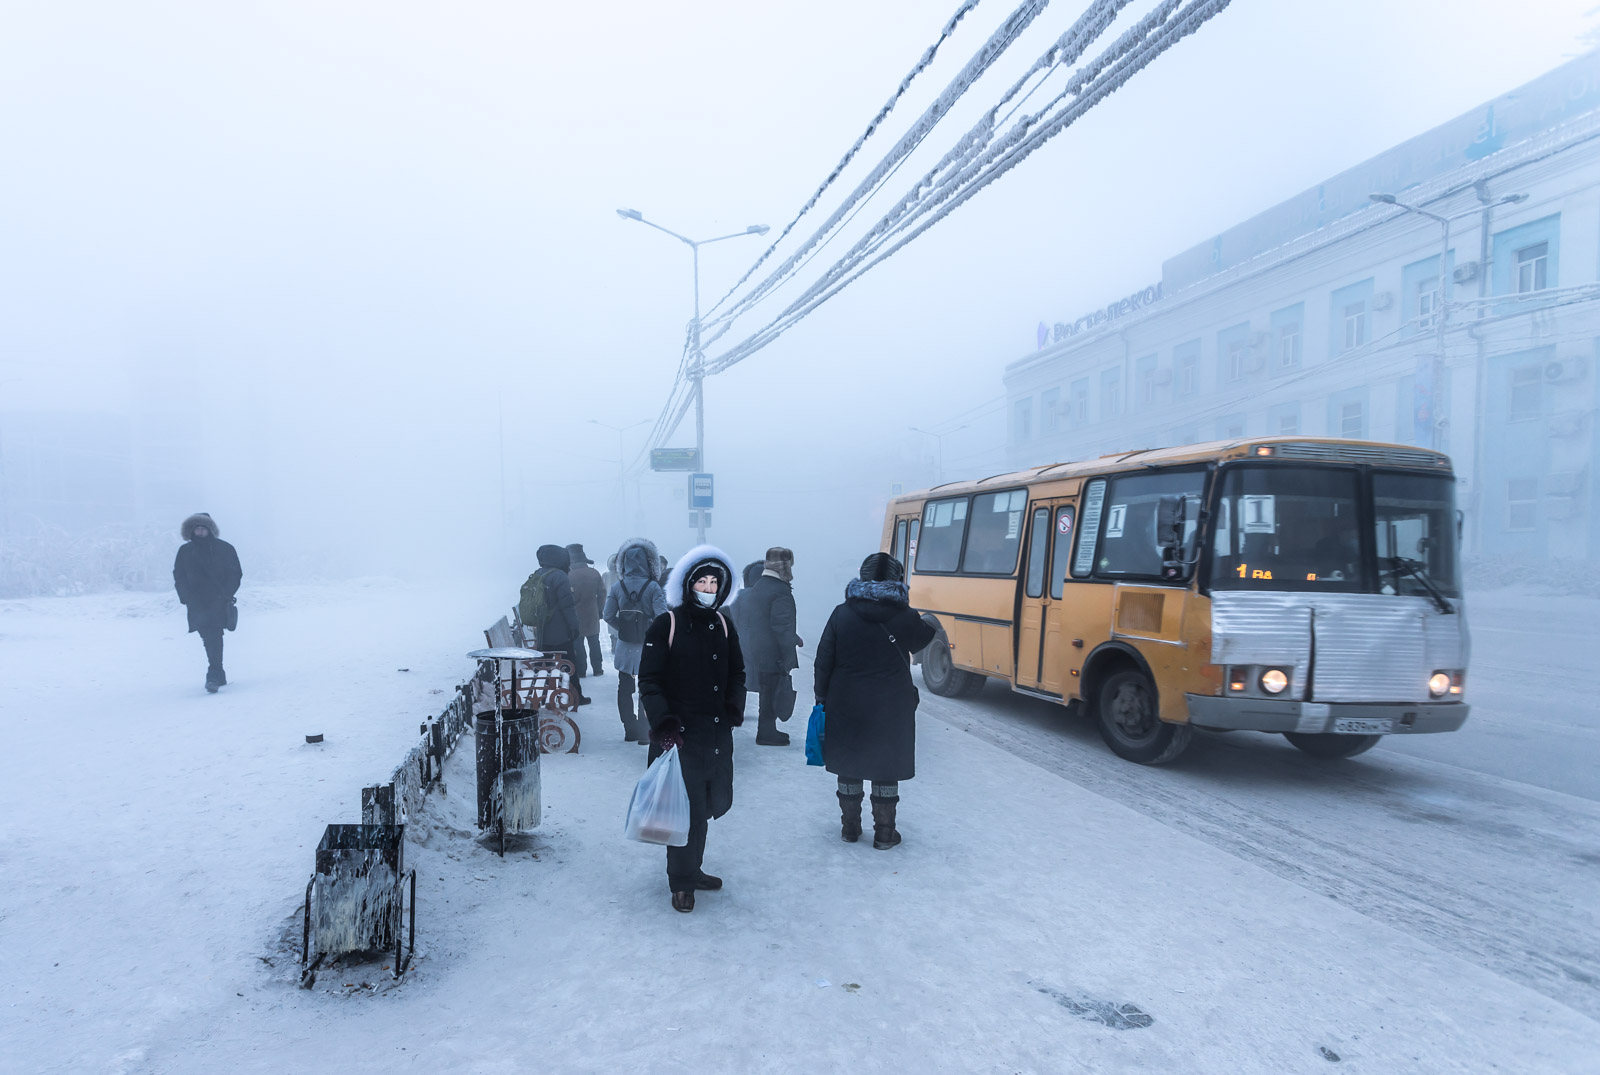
(1274, 681)
(1441, 684)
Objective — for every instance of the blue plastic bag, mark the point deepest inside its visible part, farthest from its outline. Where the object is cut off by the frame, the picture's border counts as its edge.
(815, 729)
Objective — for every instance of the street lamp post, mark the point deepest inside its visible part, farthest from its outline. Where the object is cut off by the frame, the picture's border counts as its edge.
(1443, 311)
(939, 437)
(697, 365)
(622, 488)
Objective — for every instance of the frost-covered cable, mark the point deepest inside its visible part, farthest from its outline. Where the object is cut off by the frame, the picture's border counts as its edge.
(1017, 145)
(883, 113)
(981, 61)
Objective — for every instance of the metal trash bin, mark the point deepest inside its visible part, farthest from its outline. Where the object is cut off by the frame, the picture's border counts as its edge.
(355, 901)
(507, 754)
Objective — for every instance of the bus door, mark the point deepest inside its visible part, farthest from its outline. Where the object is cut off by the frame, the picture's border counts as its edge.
(1040, 626)
(903, 546)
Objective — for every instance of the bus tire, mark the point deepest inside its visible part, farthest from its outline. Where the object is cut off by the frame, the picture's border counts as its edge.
(941, 676)
(1332, 746)
(1129, 720)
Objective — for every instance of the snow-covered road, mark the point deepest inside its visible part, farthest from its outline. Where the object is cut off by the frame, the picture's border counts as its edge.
(1264, 911)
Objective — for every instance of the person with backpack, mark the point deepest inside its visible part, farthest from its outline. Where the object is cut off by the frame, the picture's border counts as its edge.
(632, 604)
(547, 608)
(863, 683)
(691, 684)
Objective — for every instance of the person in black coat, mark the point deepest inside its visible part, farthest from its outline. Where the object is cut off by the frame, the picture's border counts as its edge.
(691, 687)
(863, 683)
(561, 632)
(206, 574)
(768, 634)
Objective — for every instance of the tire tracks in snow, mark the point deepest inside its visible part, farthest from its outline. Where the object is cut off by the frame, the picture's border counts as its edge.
(1497, 873)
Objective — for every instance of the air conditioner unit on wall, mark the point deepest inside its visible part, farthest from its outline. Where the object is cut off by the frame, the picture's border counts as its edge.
(1383, 300)
(1565, 484)
(1568, 423)
(1563, 370)
(1254, 362)
(1465, 273)
(1259, 341)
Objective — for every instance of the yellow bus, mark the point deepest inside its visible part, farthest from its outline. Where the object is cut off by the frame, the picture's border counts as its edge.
(1301, 585)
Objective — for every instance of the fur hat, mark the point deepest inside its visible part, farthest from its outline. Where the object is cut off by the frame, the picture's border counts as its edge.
(881, 567)
(199, 518)
(575, 551)
(780, 561)
(702, 560)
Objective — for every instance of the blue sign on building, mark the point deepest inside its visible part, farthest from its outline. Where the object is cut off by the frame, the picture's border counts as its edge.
(700, 491)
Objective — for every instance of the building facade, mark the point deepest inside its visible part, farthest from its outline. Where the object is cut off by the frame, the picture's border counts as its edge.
(1329, 315)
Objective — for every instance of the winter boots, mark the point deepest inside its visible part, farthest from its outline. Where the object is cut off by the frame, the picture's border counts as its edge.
(215, 677)
(849, 817)
(683, 901)
(705, 882)
(884, 835)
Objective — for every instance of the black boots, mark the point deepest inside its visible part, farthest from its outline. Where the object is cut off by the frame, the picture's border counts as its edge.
(683, 901)
(705, 882)
(849, 817)
(884, 835)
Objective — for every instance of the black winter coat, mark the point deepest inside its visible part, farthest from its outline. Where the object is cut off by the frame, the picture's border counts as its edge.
(698, 682)
(863, 682)
(206, 574)
(767, 623)
(560, 629)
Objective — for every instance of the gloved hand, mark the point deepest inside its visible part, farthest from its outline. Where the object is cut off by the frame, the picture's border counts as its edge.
(736, 718)
(668, 733)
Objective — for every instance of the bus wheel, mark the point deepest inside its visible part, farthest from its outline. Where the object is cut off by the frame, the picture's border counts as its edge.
(940, 674)
(1129, 722)
(1329, 745)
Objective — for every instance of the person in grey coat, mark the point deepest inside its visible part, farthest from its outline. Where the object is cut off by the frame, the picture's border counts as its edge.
(589, 595)
(767, 633)
(632, 604)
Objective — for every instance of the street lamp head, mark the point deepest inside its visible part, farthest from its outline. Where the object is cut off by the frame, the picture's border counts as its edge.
(1386, 199)
(1513, 199)
(757, 229)
(630, 214)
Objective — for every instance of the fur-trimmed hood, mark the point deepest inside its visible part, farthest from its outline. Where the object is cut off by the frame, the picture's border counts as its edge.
(637, 558)
(554, 557)
(677, 584)
(199, 518)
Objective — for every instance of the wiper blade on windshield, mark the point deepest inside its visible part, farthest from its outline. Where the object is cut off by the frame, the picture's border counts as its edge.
(1401, 565)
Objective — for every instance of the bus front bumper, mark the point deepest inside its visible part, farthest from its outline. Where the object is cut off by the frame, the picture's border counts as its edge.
(1346, 718)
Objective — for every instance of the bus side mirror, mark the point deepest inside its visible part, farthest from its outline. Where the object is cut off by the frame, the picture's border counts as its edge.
(1170, 513)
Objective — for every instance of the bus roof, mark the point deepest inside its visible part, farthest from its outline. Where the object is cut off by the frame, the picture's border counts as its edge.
(1319, 449)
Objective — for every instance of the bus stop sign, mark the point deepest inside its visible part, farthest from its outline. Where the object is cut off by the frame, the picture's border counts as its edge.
(700, 489)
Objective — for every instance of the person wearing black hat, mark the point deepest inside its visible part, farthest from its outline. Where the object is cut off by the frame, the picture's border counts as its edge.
(770, 641)
(863, 683)
(555, 627)
(206, 574)
(691, 686)
(589, 596)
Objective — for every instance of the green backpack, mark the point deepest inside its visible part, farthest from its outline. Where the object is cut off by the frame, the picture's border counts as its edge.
(534, 605)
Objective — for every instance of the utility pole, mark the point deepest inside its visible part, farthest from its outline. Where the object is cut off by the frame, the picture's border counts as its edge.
(697, 358)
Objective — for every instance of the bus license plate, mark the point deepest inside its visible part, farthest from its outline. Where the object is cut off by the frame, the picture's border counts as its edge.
(1357, 726)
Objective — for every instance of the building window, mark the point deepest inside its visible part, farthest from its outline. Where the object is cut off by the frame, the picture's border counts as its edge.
(1050, 413)
(1522, 504)
(1428, 302)
(1186, 373)
(1080, 401)
(1352, 422)
(1110, 393)
(1288, 425)
(1147, 381)
(1238, 357)
(1355, 325)
(1289, 345)
(1532, 267)
(1527, 393)
(1230, 428)
(1022, 427)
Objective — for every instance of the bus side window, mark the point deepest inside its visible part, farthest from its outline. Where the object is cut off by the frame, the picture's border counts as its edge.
(1066, 517)
(1038, 546)
(899, 552)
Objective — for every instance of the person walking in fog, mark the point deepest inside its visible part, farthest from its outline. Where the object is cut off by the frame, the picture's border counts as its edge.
(863, 683)
(589, 596)
(770, 641)
(547, 607)
(206, 574)
(752, 571)
(691, 683)
(632, 604)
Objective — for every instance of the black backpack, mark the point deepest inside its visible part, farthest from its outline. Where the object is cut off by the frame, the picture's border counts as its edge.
(632, 618)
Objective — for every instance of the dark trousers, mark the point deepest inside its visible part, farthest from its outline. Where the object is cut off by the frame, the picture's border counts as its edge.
(212, 640)
(775, 702)
(594, 654)
(683, 863)
(633, 725)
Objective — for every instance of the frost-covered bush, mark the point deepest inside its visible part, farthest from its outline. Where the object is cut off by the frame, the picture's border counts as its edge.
(49, 561)
(1562, 576)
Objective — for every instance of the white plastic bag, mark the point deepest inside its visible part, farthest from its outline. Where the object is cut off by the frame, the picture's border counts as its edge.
(659, 812)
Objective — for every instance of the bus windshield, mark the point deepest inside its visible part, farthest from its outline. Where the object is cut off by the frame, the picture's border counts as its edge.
(1288, 528)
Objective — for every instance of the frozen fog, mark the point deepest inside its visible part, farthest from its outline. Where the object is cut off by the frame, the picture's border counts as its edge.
(399, 294)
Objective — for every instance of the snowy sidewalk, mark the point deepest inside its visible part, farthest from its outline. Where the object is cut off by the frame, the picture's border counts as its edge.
(1019, 909)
